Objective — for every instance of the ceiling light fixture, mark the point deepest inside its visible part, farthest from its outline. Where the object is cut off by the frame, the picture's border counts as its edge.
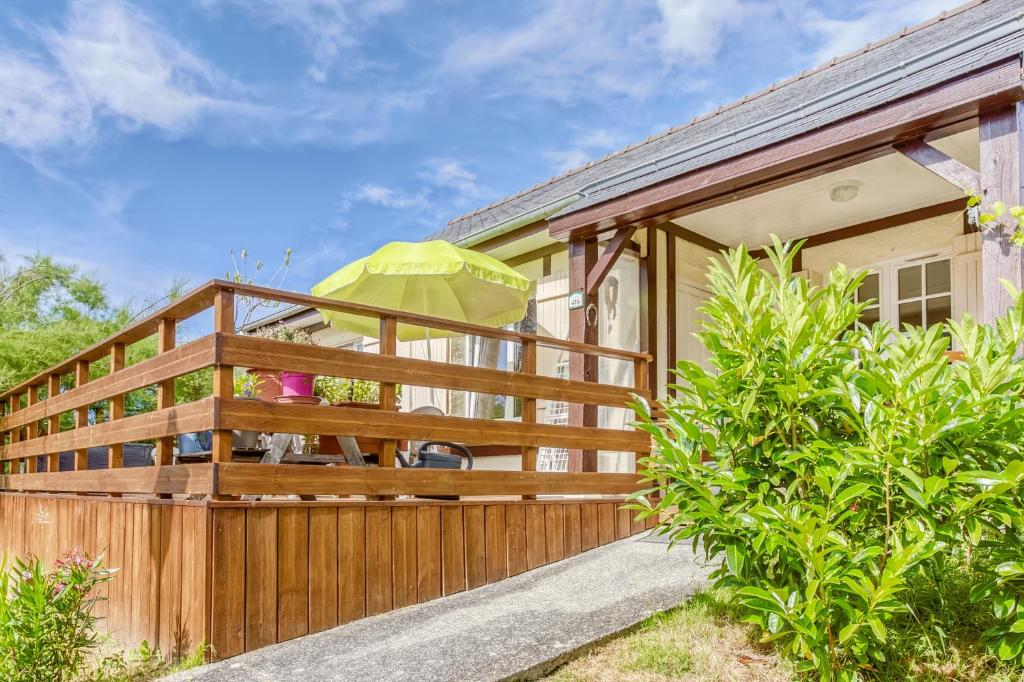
(841, 192)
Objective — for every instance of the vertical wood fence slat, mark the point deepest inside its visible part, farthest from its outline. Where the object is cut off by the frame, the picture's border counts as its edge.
(292, 573)
(379, 594)
(260, 577)
(228, 587)
(515, 531)
(453, 550)
(428, 553)
(323, 568)
(352, 562)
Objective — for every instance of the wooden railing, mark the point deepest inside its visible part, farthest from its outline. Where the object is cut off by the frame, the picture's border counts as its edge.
(30, 428)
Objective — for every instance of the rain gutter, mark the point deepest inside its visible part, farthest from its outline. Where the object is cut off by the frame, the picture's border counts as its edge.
(955, 48)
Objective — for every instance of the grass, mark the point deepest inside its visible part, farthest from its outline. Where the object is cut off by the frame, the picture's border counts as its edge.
(139, 665)
(700, 640)
(704, 640)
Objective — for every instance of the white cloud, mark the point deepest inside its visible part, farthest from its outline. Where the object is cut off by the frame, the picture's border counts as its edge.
(129, 67)
(39, 106)
(570, 50)
(451, 174)
(877, 19)
(563, 160)
(588, 146)
(386, 197)
(695, 28)
(328, 28)
(446, 186)
(109, 59)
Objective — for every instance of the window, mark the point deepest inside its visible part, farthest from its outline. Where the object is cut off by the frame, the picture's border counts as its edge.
(918, 292)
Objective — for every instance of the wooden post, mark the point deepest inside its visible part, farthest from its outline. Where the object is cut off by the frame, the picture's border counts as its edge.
(14, 403)
(649, 301)
(81, 414)
(53, 422)
(115, 455)
(223, 375)
(165, 340)
(529, 406)
(1000, 138)
(388, 346)
(583, 329)
(31, 466)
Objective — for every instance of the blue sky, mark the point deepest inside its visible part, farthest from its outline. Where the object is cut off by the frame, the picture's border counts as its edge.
(144, 140)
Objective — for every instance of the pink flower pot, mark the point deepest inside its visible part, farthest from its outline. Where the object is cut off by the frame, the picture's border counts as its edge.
(296, 383)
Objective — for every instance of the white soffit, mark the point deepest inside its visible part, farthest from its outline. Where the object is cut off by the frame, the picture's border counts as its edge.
(888, 185)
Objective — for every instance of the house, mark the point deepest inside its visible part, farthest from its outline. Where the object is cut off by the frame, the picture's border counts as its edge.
(868, 157)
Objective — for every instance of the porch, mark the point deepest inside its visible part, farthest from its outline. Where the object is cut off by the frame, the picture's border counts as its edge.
(223, 552)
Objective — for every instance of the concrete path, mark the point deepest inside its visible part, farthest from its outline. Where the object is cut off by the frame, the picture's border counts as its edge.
(521, 627)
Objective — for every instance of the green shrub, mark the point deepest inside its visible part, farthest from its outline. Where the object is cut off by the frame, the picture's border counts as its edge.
(46, 622)
(829, 465)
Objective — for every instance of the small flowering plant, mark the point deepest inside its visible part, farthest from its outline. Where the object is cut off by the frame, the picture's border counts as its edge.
(247, 385)
(47, 626)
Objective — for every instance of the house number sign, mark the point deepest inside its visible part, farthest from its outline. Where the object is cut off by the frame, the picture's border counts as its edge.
(576, 299)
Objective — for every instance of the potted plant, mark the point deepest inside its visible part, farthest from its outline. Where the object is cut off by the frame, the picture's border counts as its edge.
(294, 386)
(246, 388)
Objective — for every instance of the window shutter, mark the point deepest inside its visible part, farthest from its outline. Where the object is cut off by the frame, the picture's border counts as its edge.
(967, 275)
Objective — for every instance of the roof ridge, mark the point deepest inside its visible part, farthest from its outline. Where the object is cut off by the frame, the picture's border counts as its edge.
(905, 31)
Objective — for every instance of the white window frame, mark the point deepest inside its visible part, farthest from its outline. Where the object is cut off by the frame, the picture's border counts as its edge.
(888, 286)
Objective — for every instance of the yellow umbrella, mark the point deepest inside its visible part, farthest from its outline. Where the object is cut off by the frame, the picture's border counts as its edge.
(427, 278)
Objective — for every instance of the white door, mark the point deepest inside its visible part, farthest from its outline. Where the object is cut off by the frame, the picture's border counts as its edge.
(688, 299)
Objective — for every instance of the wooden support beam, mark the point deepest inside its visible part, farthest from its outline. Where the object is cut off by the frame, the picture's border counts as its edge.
(115, 453)
(53, 421)
(388, 346)
(879, 224)
(674, 230)
(81, 414)
(537, 254)
(165, 341)
(32, 430)
(999, 134)
(670, 305)
(604, 264)
(949, 169)
(529, 462)
(583, 329)
(649, 286)
(223, 375)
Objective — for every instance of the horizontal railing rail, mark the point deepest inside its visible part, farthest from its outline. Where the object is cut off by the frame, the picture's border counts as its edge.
(202, 298)
(237, 478)
(31, 425)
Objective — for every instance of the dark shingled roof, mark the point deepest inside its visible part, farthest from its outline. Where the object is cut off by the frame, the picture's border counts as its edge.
(880, 72)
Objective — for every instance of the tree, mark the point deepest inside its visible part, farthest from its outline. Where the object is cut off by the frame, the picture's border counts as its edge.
(48, 312)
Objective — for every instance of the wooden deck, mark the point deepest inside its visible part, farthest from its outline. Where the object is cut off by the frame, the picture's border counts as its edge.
(197, 563)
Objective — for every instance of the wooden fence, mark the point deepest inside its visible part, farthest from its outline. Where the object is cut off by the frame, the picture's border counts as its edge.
(243, 575)
(32, 438)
